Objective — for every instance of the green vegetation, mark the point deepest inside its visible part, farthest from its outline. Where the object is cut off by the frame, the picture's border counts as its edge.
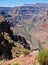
(16, 51)
(26, 51)
(29, 37)
(17, 63)
(9, 64)
(26, 33)
(31, 26)
(34, 63)
(43, 57)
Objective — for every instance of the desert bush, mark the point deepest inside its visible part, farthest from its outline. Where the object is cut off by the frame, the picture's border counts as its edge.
(26, 51)
(9, 64)
(43, 57)
(17, 63)
(34, 63)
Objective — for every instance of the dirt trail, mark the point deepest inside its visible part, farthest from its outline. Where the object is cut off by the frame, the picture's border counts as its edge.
(24, 60)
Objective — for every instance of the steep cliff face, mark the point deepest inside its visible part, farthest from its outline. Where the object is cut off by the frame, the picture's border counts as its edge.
(5, 46)
(7, 40)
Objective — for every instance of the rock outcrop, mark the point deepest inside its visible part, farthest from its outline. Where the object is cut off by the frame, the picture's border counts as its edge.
(7, 40)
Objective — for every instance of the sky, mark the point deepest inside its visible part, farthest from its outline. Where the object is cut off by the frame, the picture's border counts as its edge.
(13, 3)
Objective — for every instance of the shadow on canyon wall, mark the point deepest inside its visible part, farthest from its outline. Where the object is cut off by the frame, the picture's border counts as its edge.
(6, 34)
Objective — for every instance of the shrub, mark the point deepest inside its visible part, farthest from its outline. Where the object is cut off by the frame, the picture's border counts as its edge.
(17, 63)
(34, 63)
(26, 51)
(43, 57)
(9, 64)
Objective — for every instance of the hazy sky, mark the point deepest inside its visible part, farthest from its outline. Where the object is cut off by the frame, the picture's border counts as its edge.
(12, 3)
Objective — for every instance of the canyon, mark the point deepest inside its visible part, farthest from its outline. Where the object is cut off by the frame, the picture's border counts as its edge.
(26, 25)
